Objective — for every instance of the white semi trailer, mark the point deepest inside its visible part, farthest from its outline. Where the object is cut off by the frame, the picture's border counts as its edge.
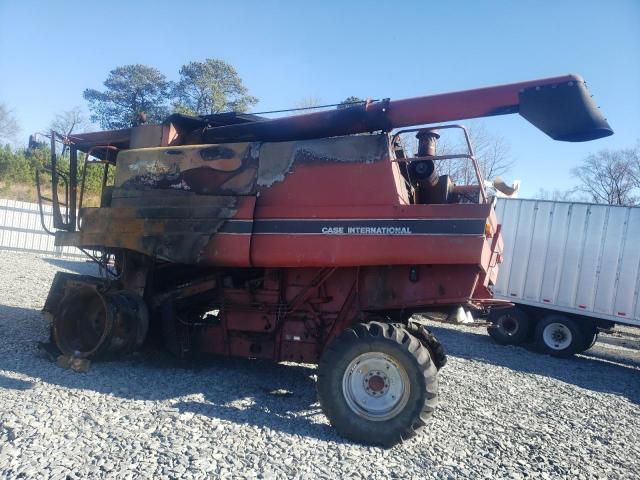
(570, 269)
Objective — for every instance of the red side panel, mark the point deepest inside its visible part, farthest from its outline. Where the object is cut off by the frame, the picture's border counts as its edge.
(351, 183)
(299, 236)
(395, 287)
(336, 250)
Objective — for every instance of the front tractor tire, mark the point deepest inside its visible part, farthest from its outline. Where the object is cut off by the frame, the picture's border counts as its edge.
(377, 384)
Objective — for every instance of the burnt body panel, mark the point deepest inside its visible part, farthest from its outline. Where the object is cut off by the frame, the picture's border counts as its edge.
(312, 203)
(174, 231)
(201, 169)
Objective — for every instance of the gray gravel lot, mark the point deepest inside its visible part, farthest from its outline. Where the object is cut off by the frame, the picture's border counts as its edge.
(505, 411)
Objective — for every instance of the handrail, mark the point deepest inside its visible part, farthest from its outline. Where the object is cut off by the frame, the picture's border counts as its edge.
(84, 172)
(471, 155)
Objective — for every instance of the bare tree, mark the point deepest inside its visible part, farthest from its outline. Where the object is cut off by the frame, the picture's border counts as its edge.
(556, 195)
(492, 153)
(634, 159)
(8, 124)
(609, 177)
(70, 121)
(308, 102)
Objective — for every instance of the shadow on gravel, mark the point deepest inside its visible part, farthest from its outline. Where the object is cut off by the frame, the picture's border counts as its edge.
(274, 396)
(14, 383)
(76, 266)
(280, 397)
(598, 370)
(600, 352)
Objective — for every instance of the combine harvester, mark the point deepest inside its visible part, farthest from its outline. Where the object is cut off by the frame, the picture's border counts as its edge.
(309, 238)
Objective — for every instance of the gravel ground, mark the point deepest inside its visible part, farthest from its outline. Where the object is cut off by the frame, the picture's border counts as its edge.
(505, 411)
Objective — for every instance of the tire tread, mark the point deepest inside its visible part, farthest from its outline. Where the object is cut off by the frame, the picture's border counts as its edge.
(402, 338)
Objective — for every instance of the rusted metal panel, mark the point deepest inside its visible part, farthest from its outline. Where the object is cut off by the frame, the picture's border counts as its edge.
(248, 321)
(393, 287)
(146, 136)
(247, 347)
(228, 169)
(294, 351)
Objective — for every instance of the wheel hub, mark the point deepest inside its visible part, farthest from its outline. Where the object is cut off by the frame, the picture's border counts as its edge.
(557, 336)
(508, 324)
(375, 386)
(376, 383)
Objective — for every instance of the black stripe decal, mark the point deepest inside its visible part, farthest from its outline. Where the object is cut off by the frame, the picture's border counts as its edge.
(237, 226)
(357, 227)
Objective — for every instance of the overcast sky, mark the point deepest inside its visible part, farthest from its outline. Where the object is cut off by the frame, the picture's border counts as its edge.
(50, 51)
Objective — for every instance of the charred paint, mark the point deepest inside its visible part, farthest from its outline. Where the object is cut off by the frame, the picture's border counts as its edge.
(205, 170)
(178, 232)
(217, 152)
(277, 160)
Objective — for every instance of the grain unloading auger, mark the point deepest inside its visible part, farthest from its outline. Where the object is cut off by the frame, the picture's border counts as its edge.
(311, 238)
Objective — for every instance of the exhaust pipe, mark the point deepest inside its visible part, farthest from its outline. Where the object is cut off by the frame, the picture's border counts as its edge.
(424, 171)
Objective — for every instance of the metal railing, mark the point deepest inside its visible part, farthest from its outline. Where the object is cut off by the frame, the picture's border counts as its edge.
(21, 229)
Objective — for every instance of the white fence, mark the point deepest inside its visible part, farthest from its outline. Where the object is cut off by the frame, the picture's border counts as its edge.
(21, 230)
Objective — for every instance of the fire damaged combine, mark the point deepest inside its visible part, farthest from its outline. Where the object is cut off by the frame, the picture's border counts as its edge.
(310, 238)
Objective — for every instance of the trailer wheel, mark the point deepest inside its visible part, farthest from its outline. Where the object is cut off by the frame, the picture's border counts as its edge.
(377, 384)
(509, 326)
(590, 338)
(560, 336)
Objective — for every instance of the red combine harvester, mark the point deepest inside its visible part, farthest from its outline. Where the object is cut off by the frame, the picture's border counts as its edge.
(309, 238)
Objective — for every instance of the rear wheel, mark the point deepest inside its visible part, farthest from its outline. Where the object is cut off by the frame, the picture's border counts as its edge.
(509, 326)
(90, 323)
(377, 384)
(560, 336)
(590, 337)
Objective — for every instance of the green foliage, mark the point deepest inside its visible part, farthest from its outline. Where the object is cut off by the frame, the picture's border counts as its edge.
(18, 168)
(208, 87)
(350, 102)
(212, 86)
(130, 91)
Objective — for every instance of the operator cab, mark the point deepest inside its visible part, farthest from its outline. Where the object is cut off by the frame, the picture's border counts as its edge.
(420, 173)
